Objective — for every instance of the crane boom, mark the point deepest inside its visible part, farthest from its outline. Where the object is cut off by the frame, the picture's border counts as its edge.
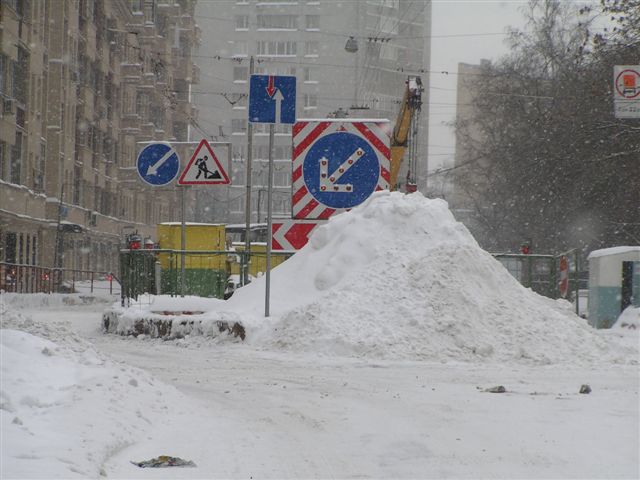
(405, 132)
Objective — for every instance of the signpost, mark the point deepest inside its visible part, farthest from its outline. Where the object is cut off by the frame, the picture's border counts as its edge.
(272, 99)
(626, 91)
(158, 164)
(337, 164)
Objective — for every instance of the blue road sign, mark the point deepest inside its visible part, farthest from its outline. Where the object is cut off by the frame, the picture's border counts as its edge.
(158, 164)
(341, 170)
(272, 99)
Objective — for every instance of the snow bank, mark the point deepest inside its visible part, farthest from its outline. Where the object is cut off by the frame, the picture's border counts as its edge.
(399, 277)
(55, 300)
(64, 408)
(629, 320)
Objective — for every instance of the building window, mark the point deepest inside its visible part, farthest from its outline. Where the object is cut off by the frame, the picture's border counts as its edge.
(16, 160)
(240, 48)
(136, 5)
(311, 49)
(313, 22)
(238, 125)
(240, 74)
(281, 70)
(4, 61)
(3, 161)
(309, 75)
(278, 22)
(310, 100)
(283, 48)
(242, 22)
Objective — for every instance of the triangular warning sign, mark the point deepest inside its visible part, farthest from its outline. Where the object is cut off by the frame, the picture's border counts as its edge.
(204, 168)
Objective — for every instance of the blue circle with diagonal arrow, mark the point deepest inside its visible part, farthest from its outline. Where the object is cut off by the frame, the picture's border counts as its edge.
(158, 164)
(341, 170)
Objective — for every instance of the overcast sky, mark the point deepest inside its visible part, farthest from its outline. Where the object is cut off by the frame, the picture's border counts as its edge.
(481, 25)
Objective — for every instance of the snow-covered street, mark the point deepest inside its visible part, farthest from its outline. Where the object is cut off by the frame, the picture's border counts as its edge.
(387, 333)
(241, 413)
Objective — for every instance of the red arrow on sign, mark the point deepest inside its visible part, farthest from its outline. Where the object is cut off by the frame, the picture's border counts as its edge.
(271, 89)
(291, 234)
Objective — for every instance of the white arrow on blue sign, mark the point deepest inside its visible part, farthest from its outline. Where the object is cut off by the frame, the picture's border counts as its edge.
(272, 99)
(341, 170)
(158, 164)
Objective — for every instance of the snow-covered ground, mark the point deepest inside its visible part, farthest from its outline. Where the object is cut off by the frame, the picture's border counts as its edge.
(385, 334)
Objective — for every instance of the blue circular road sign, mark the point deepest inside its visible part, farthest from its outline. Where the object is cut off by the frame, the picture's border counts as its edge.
(341, 170)
(158, 164)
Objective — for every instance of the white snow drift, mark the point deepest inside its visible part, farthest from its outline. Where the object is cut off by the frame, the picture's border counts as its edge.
(399, 278)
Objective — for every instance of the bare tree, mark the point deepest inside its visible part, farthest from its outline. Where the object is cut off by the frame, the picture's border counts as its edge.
(550, 163)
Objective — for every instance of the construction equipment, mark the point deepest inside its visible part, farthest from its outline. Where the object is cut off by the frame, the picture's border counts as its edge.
(405, 136)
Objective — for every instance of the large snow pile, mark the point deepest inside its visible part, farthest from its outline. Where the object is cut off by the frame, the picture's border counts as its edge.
(399, 277)
(64, 408)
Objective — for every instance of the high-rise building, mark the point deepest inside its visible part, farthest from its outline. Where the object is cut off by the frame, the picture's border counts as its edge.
(351, 58)
(466, 201)
(83, 84)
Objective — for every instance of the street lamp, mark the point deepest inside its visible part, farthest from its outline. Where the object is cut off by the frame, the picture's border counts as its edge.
(351, 45)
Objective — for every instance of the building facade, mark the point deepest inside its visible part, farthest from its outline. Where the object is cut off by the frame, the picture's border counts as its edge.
(84, 83)
(386, 41)
(467, 202)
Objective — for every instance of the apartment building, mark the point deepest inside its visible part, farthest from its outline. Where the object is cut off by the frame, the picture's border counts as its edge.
(468, 178)
(350, 58)
(83, 84)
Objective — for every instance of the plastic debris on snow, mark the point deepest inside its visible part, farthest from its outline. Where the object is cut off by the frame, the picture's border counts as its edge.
(164, 461)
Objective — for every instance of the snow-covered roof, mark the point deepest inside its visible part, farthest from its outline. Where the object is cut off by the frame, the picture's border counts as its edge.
(604, 252)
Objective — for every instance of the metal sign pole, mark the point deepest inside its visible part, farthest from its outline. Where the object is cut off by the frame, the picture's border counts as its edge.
(183, 240)
(269, 222)
(244, 275)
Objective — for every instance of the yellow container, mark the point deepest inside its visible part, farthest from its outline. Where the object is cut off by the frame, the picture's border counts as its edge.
(199, 236)
(258, 258)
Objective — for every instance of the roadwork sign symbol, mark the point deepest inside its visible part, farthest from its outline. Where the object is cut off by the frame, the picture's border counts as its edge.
(337, 164)
(158, 164)
(204, 168)
(272, 99)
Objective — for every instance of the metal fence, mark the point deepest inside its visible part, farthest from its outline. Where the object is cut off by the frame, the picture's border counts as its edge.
(19, 278)
(207, 273)
(541, 273)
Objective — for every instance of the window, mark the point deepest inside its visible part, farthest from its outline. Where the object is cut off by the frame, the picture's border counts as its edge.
(242, 22)
(278, 22)
(311, 49)
(283, 48)
(3, 161)
(281, 70)
(4, 60)
(240, 74)
(240, 48)
(313, 22)
(238, 125)
(136, 5)
(309, 75)
(310, 100)
(16, 160)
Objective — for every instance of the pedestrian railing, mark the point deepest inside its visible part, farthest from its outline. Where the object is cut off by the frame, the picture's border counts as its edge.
(21, 278)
